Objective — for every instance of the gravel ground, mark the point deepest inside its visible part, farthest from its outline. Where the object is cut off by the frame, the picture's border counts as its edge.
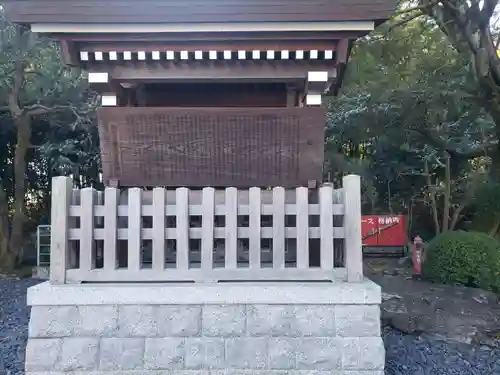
(406, 355)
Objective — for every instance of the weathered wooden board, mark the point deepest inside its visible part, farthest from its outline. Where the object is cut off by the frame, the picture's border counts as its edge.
(197, 147)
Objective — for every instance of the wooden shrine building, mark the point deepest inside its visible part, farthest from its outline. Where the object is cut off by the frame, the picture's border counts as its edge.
(208, 92)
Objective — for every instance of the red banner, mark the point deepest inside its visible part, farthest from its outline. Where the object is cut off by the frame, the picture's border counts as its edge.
(384, 230)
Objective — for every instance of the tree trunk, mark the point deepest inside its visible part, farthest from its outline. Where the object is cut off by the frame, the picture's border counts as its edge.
(433, 198)
(447, 196)
(7, 260)
(18, 218)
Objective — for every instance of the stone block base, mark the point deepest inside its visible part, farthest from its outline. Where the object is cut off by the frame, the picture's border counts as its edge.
(193, 329)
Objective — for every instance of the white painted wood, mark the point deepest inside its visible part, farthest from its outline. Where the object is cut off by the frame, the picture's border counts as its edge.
(352, 225)
(108, 100)
(196, 233)
(101, 77)
(278, 213)
(170, 55)
(211, 27)
(329, 54)
(127, 55)
(313, 54)
(158, 228)
(182, 229)
(207, 203)
(111, 196)
(113, 55)
(61, 199)
(302, 227)
(155, 55)
(184, 55)
(270, 55)
(256, 54)
(326, 226)
(227, 55)
(87, 261)
(231, 228)
(198, 55)
(320, 76)
(207, 229)
(220, 209)
(212, 55)
(242, 55)
(254, 227)
(84, 56)
(313, 99)
(299, 55)
(285, 54)
(98, 56)
(141, 55)
(72, 253)
(134, 229)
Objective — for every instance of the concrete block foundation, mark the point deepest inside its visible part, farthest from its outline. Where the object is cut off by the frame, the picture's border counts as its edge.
(198, 329)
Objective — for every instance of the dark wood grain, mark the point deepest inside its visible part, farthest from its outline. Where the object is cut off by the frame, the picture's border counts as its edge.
(196, 147)
(186, 11)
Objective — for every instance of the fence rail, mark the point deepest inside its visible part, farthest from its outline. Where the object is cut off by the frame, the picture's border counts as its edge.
(205, 235)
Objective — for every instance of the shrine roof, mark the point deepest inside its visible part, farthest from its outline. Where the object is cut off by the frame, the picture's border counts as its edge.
(84, 12)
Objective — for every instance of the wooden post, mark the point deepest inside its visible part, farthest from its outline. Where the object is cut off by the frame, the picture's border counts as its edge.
(279, 228)
(302, 219)
(159, 202)
(231, 255)
(255, 204)
(326, 226)
(88, 196)
(134, 229)
(352, 226)
(111, 200)
(182, 227)
(207, 228)
(61, 199)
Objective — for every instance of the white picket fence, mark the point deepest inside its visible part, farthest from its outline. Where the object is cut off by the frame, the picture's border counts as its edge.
(106, 236)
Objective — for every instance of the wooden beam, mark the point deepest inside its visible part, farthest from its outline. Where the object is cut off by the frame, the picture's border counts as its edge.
(207, 37)
(221, 45)
(261, 71)
(69, 54)
(343, 50)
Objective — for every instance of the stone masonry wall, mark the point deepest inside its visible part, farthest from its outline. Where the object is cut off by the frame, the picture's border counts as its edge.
(250, 339)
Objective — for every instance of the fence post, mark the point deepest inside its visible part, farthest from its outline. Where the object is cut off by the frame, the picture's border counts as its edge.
(62, 189)
(352, 227)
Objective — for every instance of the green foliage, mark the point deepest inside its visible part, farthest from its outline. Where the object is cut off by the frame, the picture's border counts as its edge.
(465, 258)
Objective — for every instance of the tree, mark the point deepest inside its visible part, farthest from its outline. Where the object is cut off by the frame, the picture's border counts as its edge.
(407, 122)
(471, 29)
(36, 87)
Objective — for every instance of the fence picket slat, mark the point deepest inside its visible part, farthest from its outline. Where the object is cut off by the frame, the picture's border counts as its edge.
(182, 230)
(231, 247)
(326, 226)
(111, 196)
(59, 229)
(302, 227)
(278, 228)
(207, 228)
(87, 229)
(159, 228)
(254, 240)
(134, 229)
(352, 226)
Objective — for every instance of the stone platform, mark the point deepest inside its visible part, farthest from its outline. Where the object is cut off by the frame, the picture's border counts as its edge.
(201, 329)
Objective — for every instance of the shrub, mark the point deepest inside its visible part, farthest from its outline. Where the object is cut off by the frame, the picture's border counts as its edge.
(466, 258)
